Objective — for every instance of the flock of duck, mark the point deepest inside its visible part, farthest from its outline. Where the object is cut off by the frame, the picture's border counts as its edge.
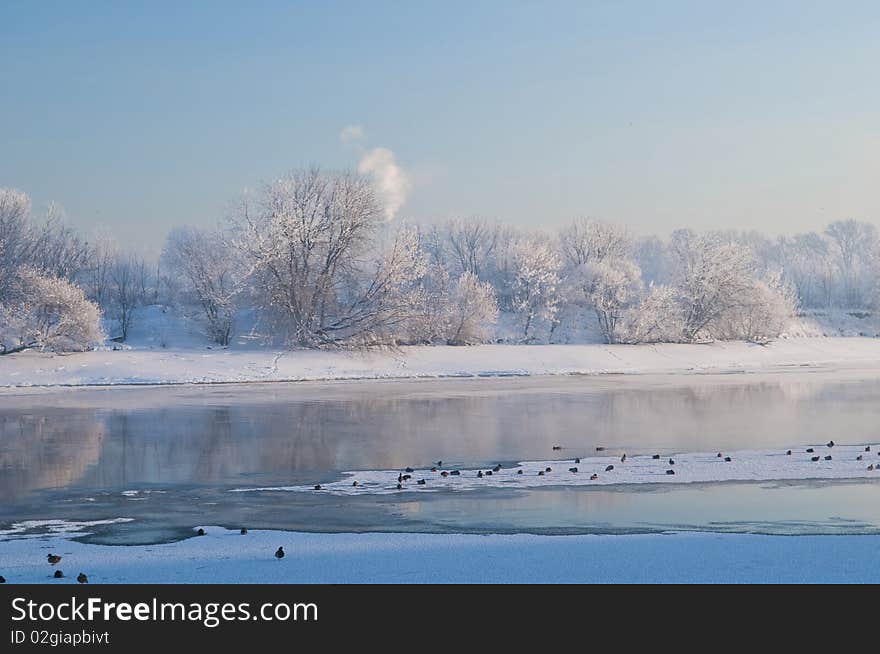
(409, 475)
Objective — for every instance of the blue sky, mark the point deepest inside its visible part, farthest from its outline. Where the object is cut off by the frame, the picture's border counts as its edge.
(139, 117)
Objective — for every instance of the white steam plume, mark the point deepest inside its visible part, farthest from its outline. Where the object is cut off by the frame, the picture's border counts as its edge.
(391, 182)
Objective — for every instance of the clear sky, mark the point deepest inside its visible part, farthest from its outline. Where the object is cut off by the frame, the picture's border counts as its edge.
(140, 116)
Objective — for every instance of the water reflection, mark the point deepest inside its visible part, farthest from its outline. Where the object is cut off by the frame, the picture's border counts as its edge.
(47, 450)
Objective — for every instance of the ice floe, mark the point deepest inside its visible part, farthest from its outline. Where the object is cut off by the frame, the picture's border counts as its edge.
(838, 462)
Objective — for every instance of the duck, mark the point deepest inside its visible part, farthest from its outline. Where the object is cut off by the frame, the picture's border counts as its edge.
(480, 474)
(577, 460)
(407, 477)
(572, 469)
(670, 472)
(408, 469)
(828, 458)
(871, 467)
(2, 579)
(519, 472)
(609, 468)
(200, 532)
(399, 486)
(600, 449)
(623, 458)
(243, 531)
(727, 459)
(814, 459)
(540, 473)
(53, 559)
(488, 473)
(656, 457)
(672, 462)
(557, 447)
(594, 477)
(439, 464)
(58, 574)
(859, 457)
(354, 483)
(788, 453)
(433, 469)
(548, 469)
(318, 487)
(455, 473)
(867, 448)
(279, 553)
(421, 482)
(82, 578)
(399, 478)
(719, 455)
(830, 444)
(497, 468)
(810, 450)
(444, 474)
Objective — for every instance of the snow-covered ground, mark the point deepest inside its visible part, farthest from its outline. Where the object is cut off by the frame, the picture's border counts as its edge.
(164, 348)
(225, 556)
(845, 462)
(205, 365)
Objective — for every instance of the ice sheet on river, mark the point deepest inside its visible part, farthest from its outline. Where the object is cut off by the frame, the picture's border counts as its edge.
(846, 462)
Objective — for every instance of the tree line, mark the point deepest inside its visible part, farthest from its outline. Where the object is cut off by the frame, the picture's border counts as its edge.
(313, 258)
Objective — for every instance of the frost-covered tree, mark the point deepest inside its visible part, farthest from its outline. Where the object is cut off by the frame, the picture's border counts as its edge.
(587, 241)
(763, 312)
(536, 283)
(471, 310)
(59, 251)
(807, 263)
(656, 319)
(39, 306)
(46, 245)
(597, 261)
(471, 244)
(610, 286)
(854, 245)
(95, 278)
(15, 235)
(319, 269)
(125, 293)
(212, 274)
(711, 276)
(46, 312)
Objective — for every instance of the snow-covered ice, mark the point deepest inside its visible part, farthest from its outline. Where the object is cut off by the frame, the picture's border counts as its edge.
(225, 556)
(847, 462)
(34, 528)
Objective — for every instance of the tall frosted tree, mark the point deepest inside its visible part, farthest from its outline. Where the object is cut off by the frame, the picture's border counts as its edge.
(321, 271)
(536, 283)
(211, 273)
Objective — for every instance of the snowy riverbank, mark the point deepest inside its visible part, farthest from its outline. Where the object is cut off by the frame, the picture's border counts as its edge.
(226, 556)
(195, 365)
